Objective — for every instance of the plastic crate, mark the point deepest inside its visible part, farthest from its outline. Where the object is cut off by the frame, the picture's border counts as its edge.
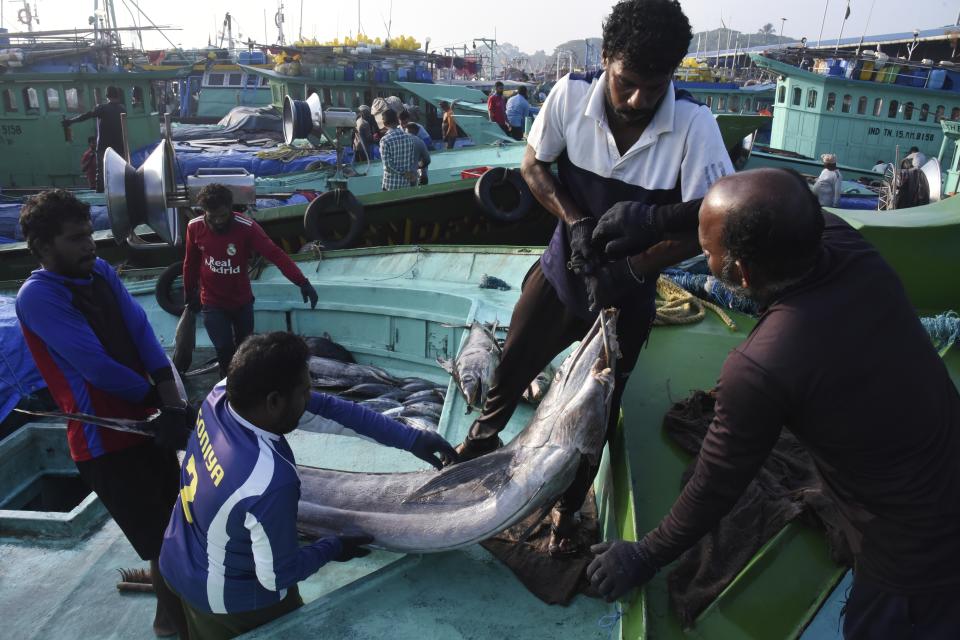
(475, 172)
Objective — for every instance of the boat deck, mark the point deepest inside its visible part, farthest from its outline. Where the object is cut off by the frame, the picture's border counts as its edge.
(400, 308)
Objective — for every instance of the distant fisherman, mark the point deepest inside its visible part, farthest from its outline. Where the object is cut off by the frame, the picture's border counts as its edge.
(231, 549)
(109, 129)
(497, 107)
(422, 154)
(218, 245)
(398, 152)
(98, 355)
(840, 359)
(629, 149)
(518, 108)
(827, 186)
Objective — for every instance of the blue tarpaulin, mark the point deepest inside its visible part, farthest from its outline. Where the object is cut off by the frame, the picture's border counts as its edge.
(190, 158)
(10, 220)
(19, 376)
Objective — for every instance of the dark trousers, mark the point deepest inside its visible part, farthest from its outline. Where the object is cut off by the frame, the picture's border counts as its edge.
(540, 328)
(516, 132)
(873, 613)
(227, 328)
(222, 626)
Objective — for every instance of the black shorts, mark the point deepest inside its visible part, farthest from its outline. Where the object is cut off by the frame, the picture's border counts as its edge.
(139, 487)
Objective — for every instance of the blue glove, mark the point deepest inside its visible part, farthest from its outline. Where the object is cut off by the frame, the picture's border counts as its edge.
(309, 293)
(351, 546)
(620, 566)
(431, 447)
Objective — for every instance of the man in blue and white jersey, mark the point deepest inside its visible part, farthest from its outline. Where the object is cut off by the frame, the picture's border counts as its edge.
(230, 550)
(634, 156)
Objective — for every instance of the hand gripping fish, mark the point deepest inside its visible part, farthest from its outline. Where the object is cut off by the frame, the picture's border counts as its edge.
(423, 512)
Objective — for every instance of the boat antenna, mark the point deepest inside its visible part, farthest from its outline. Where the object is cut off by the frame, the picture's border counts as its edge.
(843, 24)
(867, 24)
(154, 25)
(301, 21)
(133, 19)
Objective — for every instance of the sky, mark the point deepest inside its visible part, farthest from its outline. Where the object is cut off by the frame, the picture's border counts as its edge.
(531, 25)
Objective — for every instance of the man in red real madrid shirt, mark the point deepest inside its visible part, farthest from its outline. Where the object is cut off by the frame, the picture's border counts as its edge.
(219, 243)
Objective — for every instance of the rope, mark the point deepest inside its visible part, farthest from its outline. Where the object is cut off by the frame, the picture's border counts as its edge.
(678, 306)
(709, 288)
(285, 153)
(609, 622)
(944, 330)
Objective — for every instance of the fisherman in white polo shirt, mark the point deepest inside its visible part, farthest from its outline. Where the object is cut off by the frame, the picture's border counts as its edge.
(629, 148)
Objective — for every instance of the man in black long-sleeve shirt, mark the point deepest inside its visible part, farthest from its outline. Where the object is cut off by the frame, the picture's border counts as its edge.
(839, 358)
(109, 128)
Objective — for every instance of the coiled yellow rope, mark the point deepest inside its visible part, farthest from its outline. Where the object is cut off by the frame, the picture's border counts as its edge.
(678, 306)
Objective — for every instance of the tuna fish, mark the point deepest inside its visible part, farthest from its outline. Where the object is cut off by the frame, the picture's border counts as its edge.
(427, 395)
(325, 347)
(333, 374)
(476, 364)
(433, 511)
(418, 423)
(369, 390)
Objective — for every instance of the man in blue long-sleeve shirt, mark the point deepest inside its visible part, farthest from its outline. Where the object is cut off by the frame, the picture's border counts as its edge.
(517, 111)
(96, 351)
(230, 550)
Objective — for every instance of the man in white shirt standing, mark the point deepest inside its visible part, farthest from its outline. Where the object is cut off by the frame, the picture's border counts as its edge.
(634, 156)
(827, 186)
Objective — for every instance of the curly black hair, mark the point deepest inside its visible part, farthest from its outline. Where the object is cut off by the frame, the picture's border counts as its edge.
(214, 196)
(780, 237)
(265, 363)
(650, 36)
(42, 216)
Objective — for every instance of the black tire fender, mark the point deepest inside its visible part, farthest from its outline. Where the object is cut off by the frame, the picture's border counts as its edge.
(170, 300)
(329, 203)
(496, 177)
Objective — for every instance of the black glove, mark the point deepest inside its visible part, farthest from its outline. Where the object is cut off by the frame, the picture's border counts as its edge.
(431, 447)
(609, 282)
(309, 293)
(629, 228)
(352, 546)
(620, 566)
(174, 426)
(581, 239)
(192, 301)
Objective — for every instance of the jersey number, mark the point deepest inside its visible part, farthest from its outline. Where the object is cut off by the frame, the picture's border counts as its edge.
(189, 491)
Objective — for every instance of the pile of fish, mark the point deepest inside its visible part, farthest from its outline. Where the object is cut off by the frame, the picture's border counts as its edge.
(412, 401)
(431, 511)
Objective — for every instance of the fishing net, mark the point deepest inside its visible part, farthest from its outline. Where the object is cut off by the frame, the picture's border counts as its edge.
(786, 488)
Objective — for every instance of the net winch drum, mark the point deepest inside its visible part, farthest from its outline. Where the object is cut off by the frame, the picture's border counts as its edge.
(931, 171)
(306, 118)
(139, 196)
(238, 180)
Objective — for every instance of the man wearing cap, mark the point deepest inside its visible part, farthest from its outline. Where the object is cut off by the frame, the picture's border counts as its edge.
(827, 186)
